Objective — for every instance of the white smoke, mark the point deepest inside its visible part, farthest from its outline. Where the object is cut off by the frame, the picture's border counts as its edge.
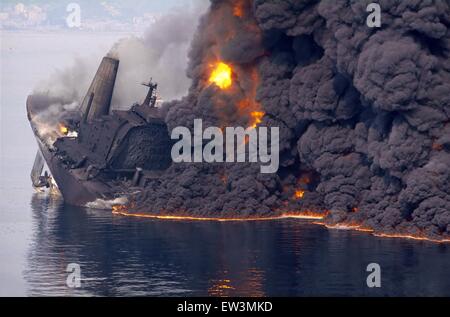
(64, 91)
(47, 122)
(161, 54)
(70, 83)
(106, 204)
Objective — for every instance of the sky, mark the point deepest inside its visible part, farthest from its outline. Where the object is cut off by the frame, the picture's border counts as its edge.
(97, 15)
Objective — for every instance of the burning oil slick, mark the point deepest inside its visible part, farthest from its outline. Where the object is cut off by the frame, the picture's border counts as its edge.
(363, 114)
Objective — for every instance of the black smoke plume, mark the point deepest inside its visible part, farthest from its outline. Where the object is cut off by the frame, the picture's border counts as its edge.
(364, 113)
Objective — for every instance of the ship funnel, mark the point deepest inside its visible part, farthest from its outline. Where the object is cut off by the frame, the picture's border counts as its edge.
(97, 101)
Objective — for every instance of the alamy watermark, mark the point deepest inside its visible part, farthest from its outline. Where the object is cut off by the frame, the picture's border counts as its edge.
(374, 18)
(374, 278)
(73, 20)
(73, 279)
(234, 149)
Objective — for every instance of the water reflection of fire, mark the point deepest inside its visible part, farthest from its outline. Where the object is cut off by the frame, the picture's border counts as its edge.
(251, 281)
(220, 288)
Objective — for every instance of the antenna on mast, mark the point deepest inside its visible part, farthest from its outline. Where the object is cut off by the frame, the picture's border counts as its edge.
(150, 100)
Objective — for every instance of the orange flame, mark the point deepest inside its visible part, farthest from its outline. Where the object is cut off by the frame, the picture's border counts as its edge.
(437, 147)
(359, 227)
(299, 194)
(251, 108)
(221, 76)
(238, 9)
(63, 129)
(411, 237)
(256, 118)
(122, 211)
(307, 214)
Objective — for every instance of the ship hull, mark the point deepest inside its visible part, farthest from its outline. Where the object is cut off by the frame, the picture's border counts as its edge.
(95, 152)
(74, 191)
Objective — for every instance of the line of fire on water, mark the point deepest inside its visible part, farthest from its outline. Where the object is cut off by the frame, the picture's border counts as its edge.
(411, 237)
(358, 227)
(122, 211)
(222, 76)
(306, 215)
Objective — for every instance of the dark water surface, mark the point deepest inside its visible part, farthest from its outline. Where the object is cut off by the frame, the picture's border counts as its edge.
(133, 256)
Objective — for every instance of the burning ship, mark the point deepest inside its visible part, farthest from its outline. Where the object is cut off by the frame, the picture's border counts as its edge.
(99, 154)
(363, 117)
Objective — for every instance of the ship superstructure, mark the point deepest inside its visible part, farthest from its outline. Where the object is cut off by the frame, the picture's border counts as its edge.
(110, 153)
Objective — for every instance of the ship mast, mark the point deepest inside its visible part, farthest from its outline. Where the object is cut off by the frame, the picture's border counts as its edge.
(150, 100)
